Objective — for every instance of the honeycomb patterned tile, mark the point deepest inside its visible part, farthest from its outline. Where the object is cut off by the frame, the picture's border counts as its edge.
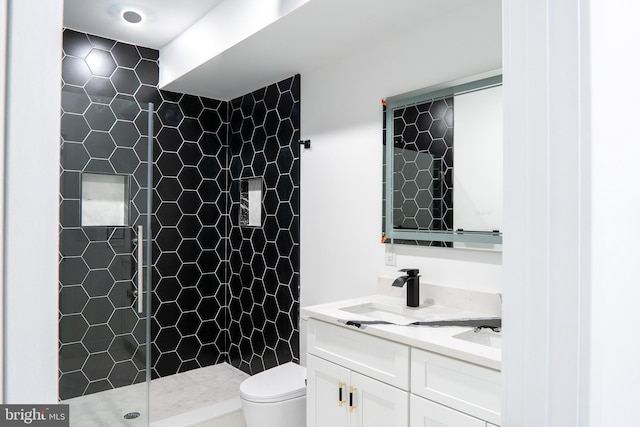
(73, 299)
(124, 160)
(126, 55)
(100, 89)
(72, 384)
(423, 159)
(98, 310)
(72, 328)
(73, 357)
(188, 252)
(147, 72)
(167, 339)
(99, 144)
(74, 100)
(75, 71)
(167, 364)
(74, 127)
(124, 107)
(123, 374)
(73, 270)
(168, 213)
(125, 133)
(168, 289)
(98, 338)
(100, 62)
(202, 147)
(188, 349)
(73, 242)
(98, 283)
(268, 114)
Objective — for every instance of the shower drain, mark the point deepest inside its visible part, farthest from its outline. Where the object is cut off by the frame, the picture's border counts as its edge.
(131, 415)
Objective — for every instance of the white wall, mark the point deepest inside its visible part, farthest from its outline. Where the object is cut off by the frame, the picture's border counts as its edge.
(546, 192)
(613, 368)
(572, 202)
(341, 175)
(3, 64)
(31, 203)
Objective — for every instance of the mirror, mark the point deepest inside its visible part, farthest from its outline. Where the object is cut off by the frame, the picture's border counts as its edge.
(443, 170)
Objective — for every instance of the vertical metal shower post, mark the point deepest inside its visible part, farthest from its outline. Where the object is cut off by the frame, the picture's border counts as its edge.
(148, 254)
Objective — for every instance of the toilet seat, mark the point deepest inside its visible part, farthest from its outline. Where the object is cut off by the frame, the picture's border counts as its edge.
(277, 384)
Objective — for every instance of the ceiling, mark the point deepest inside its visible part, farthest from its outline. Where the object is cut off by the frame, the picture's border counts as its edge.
(163, 20)
(312, 35)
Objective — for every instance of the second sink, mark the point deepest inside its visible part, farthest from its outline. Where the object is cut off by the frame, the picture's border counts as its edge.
(482, 336)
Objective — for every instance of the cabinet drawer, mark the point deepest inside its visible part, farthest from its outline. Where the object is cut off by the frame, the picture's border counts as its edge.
(384, 360)
(470, 388)
(425, 413)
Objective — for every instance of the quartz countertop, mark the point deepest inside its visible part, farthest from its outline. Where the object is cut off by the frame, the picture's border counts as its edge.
(435, 339)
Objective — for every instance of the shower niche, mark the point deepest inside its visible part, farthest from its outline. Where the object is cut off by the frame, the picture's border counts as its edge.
(250, 202)
(104, 200)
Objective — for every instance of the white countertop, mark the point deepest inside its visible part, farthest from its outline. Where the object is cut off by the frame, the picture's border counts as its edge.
(436, 339)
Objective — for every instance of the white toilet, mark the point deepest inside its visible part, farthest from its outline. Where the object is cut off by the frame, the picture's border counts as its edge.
(276, 397)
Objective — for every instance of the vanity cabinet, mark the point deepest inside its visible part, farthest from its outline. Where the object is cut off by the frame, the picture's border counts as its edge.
(354, 379)
(339, 397)
(466, 387)
(357, 379)
(424, 412)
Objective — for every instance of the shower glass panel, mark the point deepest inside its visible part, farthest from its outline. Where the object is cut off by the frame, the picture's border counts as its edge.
(104, 234)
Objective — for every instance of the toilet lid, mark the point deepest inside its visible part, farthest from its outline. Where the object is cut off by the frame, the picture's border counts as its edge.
(283, 382)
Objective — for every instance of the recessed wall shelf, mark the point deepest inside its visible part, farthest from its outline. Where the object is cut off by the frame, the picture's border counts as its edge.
(251, 202)
(105, 200)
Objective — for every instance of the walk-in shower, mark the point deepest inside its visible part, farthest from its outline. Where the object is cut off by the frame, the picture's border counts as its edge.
(105, 244)
(219, 290)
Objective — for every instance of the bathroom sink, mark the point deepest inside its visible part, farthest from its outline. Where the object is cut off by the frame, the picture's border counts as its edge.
(389, 313)
(374, 312)
(482, 336)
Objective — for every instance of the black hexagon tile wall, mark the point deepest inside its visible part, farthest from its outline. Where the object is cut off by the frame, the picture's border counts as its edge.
(221, 291)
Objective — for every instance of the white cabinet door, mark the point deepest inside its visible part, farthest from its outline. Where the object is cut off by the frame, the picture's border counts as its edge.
(378, 404)
(324, 382)
(338, 397)
(425, 413)
(466, 387)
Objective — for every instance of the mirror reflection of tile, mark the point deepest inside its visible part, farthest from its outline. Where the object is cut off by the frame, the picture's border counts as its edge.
(423, 165)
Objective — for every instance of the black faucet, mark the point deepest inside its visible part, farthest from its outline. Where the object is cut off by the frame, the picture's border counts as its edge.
(412, 279)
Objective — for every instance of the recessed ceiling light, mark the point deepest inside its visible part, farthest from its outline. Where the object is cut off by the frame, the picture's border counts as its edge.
(131, 16)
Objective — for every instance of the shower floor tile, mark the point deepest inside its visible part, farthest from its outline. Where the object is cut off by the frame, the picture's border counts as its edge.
(180, 393)
(169, 396)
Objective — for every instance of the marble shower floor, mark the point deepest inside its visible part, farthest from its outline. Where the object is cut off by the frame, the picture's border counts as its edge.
(169, 396)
